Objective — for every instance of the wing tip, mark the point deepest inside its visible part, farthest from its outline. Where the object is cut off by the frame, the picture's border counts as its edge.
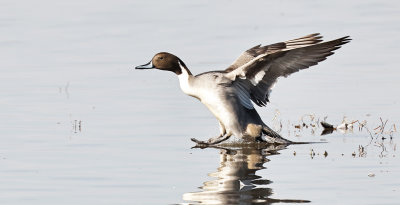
(346, 38)
(307, 40)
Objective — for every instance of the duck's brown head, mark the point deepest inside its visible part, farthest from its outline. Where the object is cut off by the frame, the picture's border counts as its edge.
(165, 61)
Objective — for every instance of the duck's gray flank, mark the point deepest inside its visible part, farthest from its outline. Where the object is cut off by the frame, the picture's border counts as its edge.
(229, 94)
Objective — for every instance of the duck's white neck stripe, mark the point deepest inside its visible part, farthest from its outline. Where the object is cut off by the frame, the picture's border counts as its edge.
(184, 80)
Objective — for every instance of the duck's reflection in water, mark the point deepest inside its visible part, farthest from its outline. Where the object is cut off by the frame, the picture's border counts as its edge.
(236, 179)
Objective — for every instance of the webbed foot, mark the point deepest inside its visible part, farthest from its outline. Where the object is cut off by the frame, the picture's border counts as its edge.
(211, 141)
(200, 144)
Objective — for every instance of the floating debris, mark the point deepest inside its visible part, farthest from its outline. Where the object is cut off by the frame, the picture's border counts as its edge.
(328, 128)
(77, 126)
(326, 125)
(345, 126)
(325, 153)
(371, 175)
(361, 151)
(326, 131)
(312, 153)
(382, 134)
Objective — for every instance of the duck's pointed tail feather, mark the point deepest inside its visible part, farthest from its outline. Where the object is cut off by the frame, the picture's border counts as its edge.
(270, 136)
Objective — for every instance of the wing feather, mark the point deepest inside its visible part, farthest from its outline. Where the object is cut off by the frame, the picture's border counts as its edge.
(258, 50)
(262, 72)
(243, 94)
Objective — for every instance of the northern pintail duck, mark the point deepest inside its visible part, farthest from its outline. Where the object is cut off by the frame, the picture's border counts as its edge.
(229, 93)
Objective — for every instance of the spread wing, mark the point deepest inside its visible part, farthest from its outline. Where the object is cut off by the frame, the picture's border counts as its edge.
(255, 51)
(257, 76)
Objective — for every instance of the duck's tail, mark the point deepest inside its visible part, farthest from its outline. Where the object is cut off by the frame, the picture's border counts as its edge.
(270, 136)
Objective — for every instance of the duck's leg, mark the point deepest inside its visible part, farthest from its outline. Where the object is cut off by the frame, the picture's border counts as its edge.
(222, 129)
(212, 141)
(215, 140)
(219, 139)
(272, 137)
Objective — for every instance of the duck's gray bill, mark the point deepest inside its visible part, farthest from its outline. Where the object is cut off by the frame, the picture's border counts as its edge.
(145, 66)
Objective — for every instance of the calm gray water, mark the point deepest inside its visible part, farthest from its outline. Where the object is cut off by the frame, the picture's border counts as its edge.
(80, 126)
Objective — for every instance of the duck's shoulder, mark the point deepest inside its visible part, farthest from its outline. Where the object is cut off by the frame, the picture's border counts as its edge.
(218, 73)
(212, 77)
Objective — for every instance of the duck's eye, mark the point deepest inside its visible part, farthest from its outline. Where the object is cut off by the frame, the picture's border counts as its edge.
(161, 58)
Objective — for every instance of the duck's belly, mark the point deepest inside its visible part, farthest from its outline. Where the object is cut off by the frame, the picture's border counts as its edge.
(226, 111)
